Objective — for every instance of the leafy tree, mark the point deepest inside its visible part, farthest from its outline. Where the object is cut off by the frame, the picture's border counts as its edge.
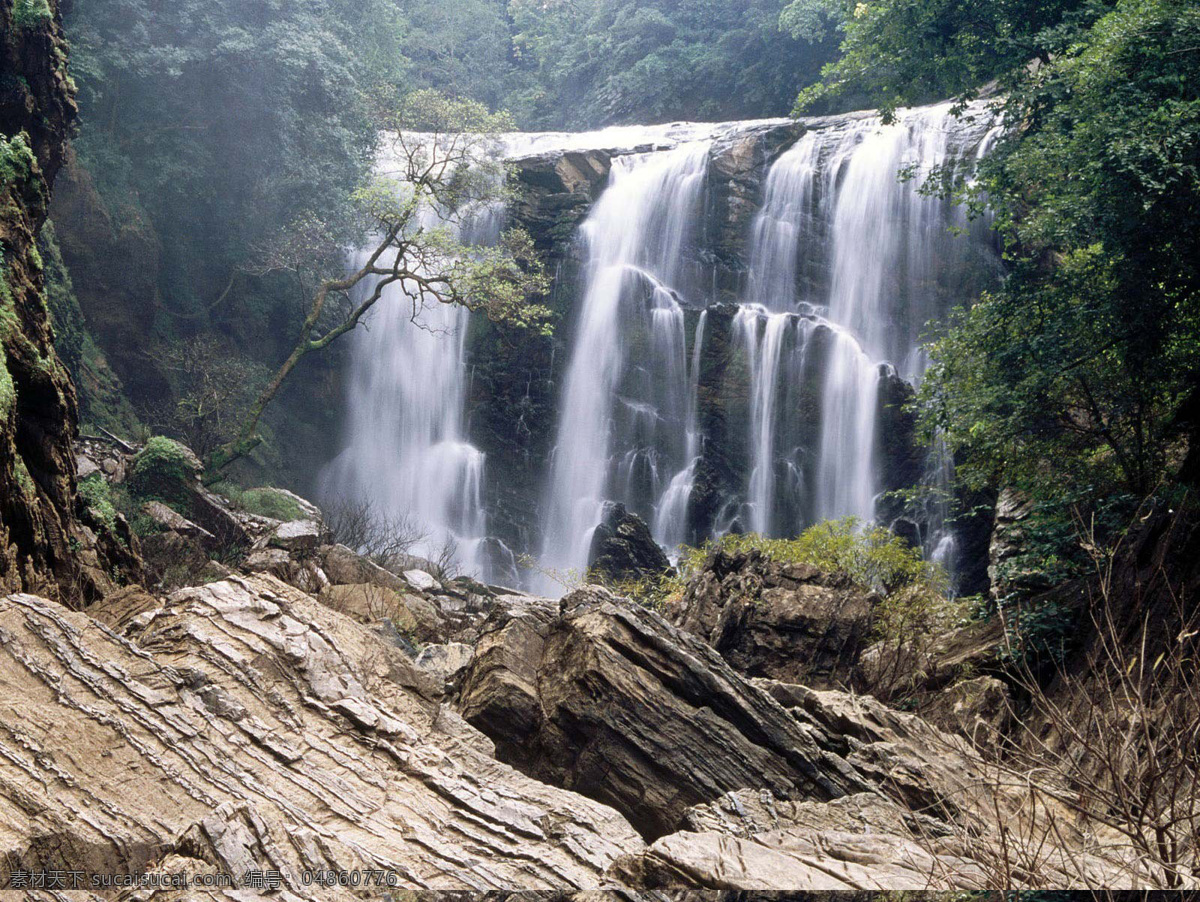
(917, 51)
(462, 48)
(222, 119)
(443, 169)
(1077, 375)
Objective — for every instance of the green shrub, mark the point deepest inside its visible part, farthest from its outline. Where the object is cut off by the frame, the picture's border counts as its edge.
(262, 502)
(654, 592)
(30, 13)
(164, 470)
(96, 495)
(873, 558)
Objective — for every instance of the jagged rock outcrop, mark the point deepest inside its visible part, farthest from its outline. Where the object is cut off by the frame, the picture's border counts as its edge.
(624, 549)
(789, 622)
(609, 700)
(740, 164)
(245, 725)
(39, 523)
(557, 191)
(242, 724)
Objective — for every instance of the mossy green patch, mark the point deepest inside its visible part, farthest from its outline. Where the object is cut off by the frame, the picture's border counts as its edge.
(8, 391)
(96, 495)
(262, 502)
(164, 470)
(29, 14)
(25, 482)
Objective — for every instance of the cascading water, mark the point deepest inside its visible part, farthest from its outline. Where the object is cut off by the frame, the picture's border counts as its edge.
(698, 416)
(623, 432)
(848, 263)
(407, 460)
(670, 515)
(837, 202)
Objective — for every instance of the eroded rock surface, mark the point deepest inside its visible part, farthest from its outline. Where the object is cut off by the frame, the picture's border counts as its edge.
(245, 724)
(623, 548)
(789, 622)
(610, 700)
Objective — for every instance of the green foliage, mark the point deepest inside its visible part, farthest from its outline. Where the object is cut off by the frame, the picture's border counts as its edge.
(227, 118)
(29, 14)
(16, 160)
(163, 470)
(8, 391)
(25, 481)
(96, 495)
(873, 558)
(1052, 383)
(262, 502)
(591, 62)
(1039, 636)
(657, 592)
(902, 52)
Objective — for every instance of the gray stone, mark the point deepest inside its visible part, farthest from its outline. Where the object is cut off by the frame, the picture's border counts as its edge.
(297, 536)
(422, 581)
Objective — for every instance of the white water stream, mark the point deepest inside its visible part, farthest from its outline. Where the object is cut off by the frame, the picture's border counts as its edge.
(847, 263)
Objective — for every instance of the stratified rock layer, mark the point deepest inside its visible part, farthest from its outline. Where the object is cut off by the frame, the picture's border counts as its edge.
(248, 726)
(609, 700)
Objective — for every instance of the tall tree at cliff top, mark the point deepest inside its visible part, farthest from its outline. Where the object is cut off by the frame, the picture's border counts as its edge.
(594, 62)
(1079, 379)
(224, 119)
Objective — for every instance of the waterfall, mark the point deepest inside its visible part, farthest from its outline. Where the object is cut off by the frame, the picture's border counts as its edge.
(785, 225)
(836, 204)
(406, 457)
(670, 515)
(710, 384)
(621, 412)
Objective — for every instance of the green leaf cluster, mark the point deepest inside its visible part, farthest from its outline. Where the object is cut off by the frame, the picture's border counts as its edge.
(871, 557)
(592, 62)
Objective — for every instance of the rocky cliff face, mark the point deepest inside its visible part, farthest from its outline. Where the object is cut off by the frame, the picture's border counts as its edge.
(38, 525)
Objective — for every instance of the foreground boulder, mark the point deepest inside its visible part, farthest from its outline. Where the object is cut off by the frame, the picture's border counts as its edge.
(244, 725)
(608, 699)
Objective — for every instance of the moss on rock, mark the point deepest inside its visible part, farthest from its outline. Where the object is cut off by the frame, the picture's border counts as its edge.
(164, 470)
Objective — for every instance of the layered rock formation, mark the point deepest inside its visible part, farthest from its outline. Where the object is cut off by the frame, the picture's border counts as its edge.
(786, 622)
(244, 725)
(320, 713)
